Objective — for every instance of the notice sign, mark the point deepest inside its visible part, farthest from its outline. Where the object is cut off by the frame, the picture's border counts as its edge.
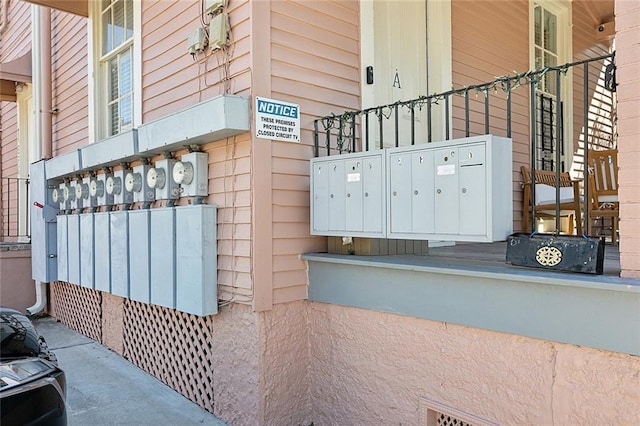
(277, 120)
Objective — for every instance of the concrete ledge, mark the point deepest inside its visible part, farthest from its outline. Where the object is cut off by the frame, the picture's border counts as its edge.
(598, 312)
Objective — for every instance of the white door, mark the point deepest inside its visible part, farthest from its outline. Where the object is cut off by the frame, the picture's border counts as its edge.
(407, 44)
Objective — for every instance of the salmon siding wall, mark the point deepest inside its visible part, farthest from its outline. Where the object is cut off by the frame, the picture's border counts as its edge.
(315, 62)
(14, 42)
(489, 40)
(171, 78)
(70, 90)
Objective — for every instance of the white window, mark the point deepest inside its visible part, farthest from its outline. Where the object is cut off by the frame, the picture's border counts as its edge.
(115, 74)
(550, 47)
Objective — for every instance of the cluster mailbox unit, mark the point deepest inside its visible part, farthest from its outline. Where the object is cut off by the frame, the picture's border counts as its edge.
(456, 190)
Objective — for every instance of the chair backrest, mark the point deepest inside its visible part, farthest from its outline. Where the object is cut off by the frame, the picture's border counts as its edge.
(546, 177)
(603, 176)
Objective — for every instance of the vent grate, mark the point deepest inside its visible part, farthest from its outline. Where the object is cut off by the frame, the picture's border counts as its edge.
(447, 420)
(172, 346)
(79, 308)
(435, 413)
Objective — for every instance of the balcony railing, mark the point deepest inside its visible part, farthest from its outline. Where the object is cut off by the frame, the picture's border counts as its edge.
(14, 213)
(489, 108)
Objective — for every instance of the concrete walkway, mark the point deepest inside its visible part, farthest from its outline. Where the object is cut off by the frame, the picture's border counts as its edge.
(105, 389)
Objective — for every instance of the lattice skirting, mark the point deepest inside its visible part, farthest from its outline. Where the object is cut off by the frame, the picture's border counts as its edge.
(172, 346)
(78, 308)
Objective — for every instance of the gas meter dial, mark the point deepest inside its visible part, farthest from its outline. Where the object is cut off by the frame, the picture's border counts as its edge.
(133, 182)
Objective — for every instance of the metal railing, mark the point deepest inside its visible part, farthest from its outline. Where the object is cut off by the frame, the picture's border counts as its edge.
(488, 108)
(352, 131)
(14, 210)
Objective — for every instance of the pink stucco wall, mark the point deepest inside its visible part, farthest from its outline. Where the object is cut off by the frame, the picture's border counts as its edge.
(375, 368)
(628, 78)
(17, 290)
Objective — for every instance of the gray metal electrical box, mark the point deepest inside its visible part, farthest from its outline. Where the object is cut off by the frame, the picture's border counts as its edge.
(163, 257)
(102, 251)
(139, 256)
(119, 238)
(44, 263)
(87, 253)
(196, 259)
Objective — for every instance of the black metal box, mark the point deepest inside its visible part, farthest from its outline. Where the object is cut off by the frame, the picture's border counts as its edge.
(556, 252)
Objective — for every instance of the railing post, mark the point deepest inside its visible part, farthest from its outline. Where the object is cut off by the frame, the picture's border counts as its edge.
(353, 133)
(316, 147)
(446, 115)
(466, 112)
(429, 138)
(379, 112)
(366, 130)
(559, 141)
(413, 124)
(508, 108)
(486, 110)
(585, 173)
(397, 127)
(532, 124)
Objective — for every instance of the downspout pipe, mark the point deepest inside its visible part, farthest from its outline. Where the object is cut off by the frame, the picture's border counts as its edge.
(5, 16)
(41, 61)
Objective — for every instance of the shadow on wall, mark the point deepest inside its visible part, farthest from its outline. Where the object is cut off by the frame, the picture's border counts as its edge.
(17, 290)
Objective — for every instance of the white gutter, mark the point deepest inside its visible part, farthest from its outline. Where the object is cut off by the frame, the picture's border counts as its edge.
(41, 60)
(5, 15)
(41, 299)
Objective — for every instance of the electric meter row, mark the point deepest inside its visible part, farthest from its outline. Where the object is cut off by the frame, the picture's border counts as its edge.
(167, 179)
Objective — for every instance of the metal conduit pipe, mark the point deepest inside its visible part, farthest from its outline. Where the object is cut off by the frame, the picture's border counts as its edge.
(44, 127)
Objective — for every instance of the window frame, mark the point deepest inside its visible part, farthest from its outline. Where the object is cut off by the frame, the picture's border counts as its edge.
(563, 11)
(98, 69)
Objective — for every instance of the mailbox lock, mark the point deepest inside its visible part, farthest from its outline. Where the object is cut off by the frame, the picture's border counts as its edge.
(464, 190)
(331, 196)
(415, 192)
(439, 191)
(366, 194)
(348, 195)
(395, 193)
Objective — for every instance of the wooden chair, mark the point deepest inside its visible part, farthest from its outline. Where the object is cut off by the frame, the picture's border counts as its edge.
(545, 190)
(603, 188)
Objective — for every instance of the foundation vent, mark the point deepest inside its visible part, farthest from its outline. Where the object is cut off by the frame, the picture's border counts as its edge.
(79, 308)
(434, 413)
(173, 346)
(447, 420)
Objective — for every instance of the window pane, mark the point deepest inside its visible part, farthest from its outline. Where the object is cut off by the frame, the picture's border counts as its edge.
(538, 26)
(107, 39)
(129, 18)
(105, 4)
(118, 18)
(550, 77)
(126, 113)
(126, 85)
(114, 127)
(550, 32)
(113, 79)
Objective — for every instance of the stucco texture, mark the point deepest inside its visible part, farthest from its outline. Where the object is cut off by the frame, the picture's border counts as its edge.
(284, 365)
(235, 376)
(374, 368)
